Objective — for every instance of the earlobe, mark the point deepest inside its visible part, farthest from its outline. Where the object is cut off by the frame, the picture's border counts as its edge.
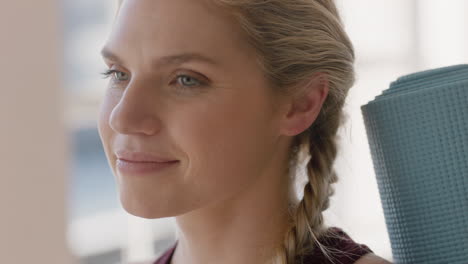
(306, 104)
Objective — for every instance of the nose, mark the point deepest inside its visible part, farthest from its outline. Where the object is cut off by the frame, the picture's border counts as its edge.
(135, 113)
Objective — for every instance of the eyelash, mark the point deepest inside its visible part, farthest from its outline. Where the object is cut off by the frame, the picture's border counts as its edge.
(108, 74)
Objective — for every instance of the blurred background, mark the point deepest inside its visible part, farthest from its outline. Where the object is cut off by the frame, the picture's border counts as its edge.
(75, 199)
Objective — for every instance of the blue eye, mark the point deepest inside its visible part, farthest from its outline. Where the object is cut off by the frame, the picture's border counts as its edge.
(186, 80)
(118, 75)
(183, 80)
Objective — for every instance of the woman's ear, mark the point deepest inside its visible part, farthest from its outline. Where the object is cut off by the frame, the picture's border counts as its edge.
(304, 106)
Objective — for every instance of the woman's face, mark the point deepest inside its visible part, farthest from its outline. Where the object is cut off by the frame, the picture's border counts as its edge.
(210, 110)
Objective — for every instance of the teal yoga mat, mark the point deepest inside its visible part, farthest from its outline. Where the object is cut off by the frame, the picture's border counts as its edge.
(418, 137)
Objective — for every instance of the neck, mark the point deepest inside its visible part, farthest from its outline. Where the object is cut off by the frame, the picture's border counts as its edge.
(241, 229)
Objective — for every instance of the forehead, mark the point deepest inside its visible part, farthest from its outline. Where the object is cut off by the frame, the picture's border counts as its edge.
(162, 27)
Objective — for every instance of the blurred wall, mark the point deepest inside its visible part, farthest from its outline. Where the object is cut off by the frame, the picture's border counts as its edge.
(33, 152)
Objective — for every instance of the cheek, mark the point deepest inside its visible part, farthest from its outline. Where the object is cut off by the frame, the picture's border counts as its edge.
(227, 148)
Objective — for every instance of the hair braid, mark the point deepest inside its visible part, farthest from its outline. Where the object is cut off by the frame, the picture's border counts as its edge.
(307, 225)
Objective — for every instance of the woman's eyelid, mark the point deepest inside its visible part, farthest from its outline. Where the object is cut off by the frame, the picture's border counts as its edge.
(119, 68)
(201, 78)
(112, 72)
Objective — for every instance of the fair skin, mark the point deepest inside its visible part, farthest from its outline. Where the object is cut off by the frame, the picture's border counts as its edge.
(221, 122)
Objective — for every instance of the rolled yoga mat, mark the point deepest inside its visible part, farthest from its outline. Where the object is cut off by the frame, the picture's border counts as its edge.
(418, 138)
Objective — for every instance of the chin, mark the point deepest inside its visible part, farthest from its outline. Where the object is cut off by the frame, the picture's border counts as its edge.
(146, 208)
(145, 214)
(137, 207)
(145, 211)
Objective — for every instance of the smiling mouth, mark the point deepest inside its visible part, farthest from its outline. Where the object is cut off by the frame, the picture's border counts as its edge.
(134, 156)
(142, 167)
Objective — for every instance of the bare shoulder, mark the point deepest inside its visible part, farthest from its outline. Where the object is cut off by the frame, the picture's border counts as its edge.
(371, 258)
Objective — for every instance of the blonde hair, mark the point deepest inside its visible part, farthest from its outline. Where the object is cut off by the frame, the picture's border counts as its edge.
(295, 39)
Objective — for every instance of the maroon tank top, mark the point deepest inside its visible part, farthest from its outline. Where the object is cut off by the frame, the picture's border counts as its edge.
(344, 250)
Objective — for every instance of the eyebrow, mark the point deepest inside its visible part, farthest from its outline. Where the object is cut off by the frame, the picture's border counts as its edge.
(165, 60)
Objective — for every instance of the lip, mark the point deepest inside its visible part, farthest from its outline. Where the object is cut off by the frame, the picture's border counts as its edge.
(139, 157)
(142, 167)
